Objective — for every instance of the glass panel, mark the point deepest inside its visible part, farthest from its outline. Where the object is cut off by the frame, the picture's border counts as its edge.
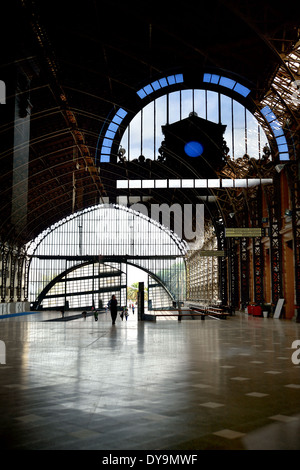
(135, 184)
(242, 90)
(227, 82)
(281, 140)
(207, 77)
(148, 89)
(240, 183)
(113, 127)
(179, 78)
(215, 79)
(226, 118)
(174, 183)
(174, 107)
(107, 143)
(213, 183)
(284, 156)
(276, 128)
(122, 184)
(243, 133)
(161, 183)
(171, 79)
(117, 119)
(148, 184)
(199, 103)
(239, 129)
(163, 82)
(161, 119)
(121, 112)
(141, 94)
(254, 182)
(252, 136)
(188, 183)
(112, 230)
(148, 131)
(212, 106)
(227, 183)
(201, 183)
(156, 85)
(135, 137)
(187, 103)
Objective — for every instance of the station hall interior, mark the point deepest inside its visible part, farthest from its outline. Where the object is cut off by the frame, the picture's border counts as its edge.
(150, 152)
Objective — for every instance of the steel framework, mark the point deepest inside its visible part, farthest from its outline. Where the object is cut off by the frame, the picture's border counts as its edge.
(83, 247)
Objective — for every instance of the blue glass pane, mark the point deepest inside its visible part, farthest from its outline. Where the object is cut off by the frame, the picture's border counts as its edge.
(276, 128)
(148, 89)
(270, 117)
(281, 140)
(215, 78)
(266, 110)
(109, 134)
(207, 77)
(193, 148)
(117, 119)
(156, 85)
(284, 156)
(113, 127)
(171, 79)
(163, 82)
(141, 93)
(104, 158)
(283, 148)
(107, 143)
(121, 112)
(227, 82)
(242, 90)
(179, 78)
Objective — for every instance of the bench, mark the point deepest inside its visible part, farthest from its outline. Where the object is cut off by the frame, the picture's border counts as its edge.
(210, 311)
(195, 311)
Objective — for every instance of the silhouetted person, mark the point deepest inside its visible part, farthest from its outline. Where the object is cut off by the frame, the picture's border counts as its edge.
(113, 309)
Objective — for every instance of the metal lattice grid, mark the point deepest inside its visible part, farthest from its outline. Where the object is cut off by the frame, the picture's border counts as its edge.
(243, 135)
(102, 234)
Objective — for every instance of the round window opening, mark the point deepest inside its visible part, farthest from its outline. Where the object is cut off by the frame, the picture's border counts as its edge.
(193, 148)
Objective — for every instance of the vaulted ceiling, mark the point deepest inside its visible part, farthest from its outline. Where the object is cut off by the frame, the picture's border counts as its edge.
(84, 59)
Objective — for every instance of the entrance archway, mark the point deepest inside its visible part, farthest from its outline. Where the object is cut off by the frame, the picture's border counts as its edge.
(81, 261)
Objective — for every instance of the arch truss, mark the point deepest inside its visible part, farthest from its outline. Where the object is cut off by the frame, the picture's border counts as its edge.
(82, 260)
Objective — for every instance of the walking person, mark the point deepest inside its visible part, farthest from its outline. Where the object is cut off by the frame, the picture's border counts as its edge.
(126, 313)
(113, 309)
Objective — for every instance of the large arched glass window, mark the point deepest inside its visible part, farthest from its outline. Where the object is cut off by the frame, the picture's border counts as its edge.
(81, 259)
(243, 134)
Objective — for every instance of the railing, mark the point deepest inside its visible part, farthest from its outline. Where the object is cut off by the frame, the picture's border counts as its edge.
(201, 311)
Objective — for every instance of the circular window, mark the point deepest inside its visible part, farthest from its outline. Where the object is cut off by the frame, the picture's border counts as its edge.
(193, 148)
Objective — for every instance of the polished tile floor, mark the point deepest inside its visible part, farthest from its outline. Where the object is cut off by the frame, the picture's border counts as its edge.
(190, 385)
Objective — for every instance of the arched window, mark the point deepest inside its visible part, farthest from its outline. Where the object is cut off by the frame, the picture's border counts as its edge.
(243, 135)
(220, 99)
(82, 259)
